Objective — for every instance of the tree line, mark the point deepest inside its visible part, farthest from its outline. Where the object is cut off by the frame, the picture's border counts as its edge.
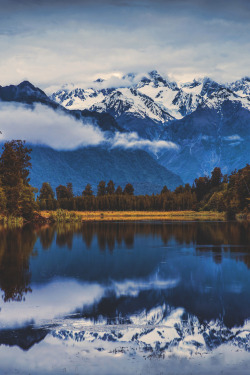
(216, 193)
(229, 193)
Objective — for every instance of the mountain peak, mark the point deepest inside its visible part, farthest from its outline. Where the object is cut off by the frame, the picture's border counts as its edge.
(131, 76)
(99, 80)
(26, 84)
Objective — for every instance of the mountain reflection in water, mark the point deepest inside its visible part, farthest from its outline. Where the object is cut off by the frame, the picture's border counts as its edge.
(124, 273)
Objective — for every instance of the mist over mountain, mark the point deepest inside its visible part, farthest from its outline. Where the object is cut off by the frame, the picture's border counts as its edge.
(209, 121)
(187, 129)
(27, 113)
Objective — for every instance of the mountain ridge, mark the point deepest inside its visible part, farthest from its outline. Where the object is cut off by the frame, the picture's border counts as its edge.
(212, 128)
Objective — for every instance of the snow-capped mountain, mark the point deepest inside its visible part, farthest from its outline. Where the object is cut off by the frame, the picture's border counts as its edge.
(241, 87)
(154, 97)
(207, 121)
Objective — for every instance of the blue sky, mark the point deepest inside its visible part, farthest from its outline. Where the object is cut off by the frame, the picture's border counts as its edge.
(54, 42)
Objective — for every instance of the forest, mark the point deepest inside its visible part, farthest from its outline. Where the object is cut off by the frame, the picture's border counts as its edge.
(218, 192)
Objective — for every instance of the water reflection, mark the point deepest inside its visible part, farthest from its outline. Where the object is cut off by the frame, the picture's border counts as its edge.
(218, 234)
(202, 267)
(16, 247)
(17, 244)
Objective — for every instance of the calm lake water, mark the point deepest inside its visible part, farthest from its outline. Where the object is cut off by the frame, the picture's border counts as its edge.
(125, 298)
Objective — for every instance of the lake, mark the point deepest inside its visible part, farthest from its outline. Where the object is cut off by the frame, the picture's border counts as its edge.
(125, 298)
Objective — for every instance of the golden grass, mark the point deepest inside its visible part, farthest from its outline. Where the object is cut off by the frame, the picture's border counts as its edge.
(144, 215)
(11, 221)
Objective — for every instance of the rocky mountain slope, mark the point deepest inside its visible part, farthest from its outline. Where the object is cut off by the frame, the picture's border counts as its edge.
(209, 121)
(93, 164)
(153, 97)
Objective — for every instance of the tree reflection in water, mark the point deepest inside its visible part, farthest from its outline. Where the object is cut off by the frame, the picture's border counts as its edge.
(17, 245)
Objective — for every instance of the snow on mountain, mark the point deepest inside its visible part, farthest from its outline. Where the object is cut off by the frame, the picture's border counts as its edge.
(203, 117)
(208, 121)
(79, 98)
(154, 97)
(131, 101)
(241, 87)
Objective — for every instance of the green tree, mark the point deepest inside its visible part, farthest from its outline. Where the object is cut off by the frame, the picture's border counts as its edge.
(216, 177)
(28, 205)
(202, 186)
(87, 192)
(129, 189)
(70, 190)
(118, 190)
(3, 200)
(46, 198)
(14, 175)
(110, 188)
(62, 192)
(164, 190)
(15, 163)
(101, 188)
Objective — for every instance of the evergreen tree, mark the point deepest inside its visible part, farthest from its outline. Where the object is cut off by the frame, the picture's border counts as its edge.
(128, 190)
(110, 188)
(15, 163)
(164, 190)
(216, 177)
(118, 190)
(14, 175)
(70, 190)
(46, 199)
(87, 192)
(62, 192)
(202, 185)
(46, 192)
(28, 206)
(101, 189)
(3, 200)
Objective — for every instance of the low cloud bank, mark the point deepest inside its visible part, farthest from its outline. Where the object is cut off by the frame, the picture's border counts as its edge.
(45, 126)
(132, 140)
(42, 125)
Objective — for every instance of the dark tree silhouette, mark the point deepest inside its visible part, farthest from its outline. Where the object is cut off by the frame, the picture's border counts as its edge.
(87, 192)
(129, 190)
(118, 190)
(164, 190)
(216, 177)
(101, 189)
(14, 176)
(110, 188)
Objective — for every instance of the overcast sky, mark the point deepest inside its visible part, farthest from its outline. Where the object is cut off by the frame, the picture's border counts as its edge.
(68, 41)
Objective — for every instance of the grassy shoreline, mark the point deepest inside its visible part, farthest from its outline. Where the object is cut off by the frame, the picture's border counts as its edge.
(47, 217)
(142, 215)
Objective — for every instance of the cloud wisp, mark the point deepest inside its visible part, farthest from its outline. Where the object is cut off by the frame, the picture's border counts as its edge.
(132, 140)
(41, 125)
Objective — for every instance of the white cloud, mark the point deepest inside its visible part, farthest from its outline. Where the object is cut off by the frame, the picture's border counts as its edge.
(234, 137)
(77, 45)
(132, 140)
(45, 126)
